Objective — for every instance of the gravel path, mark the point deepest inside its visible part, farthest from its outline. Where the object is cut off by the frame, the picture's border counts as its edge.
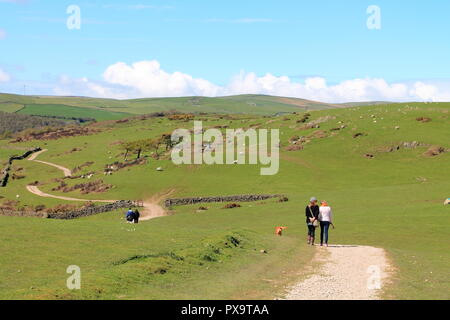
(36, 154)
(152, 208)
(344, 273)
(35, 190)
(67, 172)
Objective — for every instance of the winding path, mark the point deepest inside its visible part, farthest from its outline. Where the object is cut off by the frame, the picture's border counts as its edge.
(67, 172)
(151, 209)
(35, 190)
(344, 273)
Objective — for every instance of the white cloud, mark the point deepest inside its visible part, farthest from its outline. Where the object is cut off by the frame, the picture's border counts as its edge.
(424, 91)
(84, 87)
(316, 88)
(4, 77)
(148, 79)
(315, 83)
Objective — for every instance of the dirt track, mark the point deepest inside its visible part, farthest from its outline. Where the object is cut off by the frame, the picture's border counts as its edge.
(151, 209)
(67, 172)
(344, 273)
(35, 190)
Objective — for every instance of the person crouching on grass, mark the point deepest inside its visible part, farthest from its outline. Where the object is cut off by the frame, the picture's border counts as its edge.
(130, 216)
(326, 219)
(312, 215)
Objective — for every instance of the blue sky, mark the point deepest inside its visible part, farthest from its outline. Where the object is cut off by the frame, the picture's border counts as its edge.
(319, 49)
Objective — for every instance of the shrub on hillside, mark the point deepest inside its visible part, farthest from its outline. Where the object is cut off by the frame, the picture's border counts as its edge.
(359, 134)
(423, 119)
(181, 117)
(434, 151)
(51, 133)
(232, 206)
(294, 147)
(304, 118)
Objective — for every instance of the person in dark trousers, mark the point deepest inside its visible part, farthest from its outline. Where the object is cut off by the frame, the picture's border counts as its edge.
(136, 216)
(326, 219)
(312, 216)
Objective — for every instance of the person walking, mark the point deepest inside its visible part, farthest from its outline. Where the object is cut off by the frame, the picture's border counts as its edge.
(136, 216)
(312, 222)
(326, 219)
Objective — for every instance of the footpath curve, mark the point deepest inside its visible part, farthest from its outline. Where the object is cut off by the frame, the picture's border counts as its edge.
(151, 208)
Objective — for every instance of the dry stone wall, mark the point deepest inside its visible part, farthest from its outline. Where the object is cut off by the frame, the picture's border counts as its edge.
(85, 212)
(4, 176)
(237, 198)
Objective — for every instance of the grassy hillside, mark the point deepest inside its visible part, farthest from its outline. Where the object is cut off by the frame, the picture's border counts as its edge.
(384, 194)
(103, 109)
(365, 103)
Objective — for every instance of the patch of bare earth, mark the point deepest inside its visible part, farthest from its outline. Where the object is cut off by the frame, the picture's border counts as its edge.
(152, 208)
(344, 273)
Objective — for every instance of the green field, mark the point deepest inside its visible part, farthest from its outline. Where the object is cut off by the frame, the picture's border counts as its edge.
(105, 109)
(10, 107)
(392, 201)
(67, 112)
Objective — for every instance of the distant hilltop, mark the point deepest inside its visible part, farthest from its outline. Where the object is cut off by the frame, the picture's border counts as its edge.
(112, 109)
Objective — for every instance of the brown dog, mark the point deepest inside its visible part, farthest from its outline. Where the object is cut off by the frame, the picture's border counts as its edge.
(279, 231)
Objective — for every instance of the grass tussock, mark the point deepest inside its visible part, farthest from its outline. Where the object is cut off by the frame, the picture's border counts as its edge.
(147, 269)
